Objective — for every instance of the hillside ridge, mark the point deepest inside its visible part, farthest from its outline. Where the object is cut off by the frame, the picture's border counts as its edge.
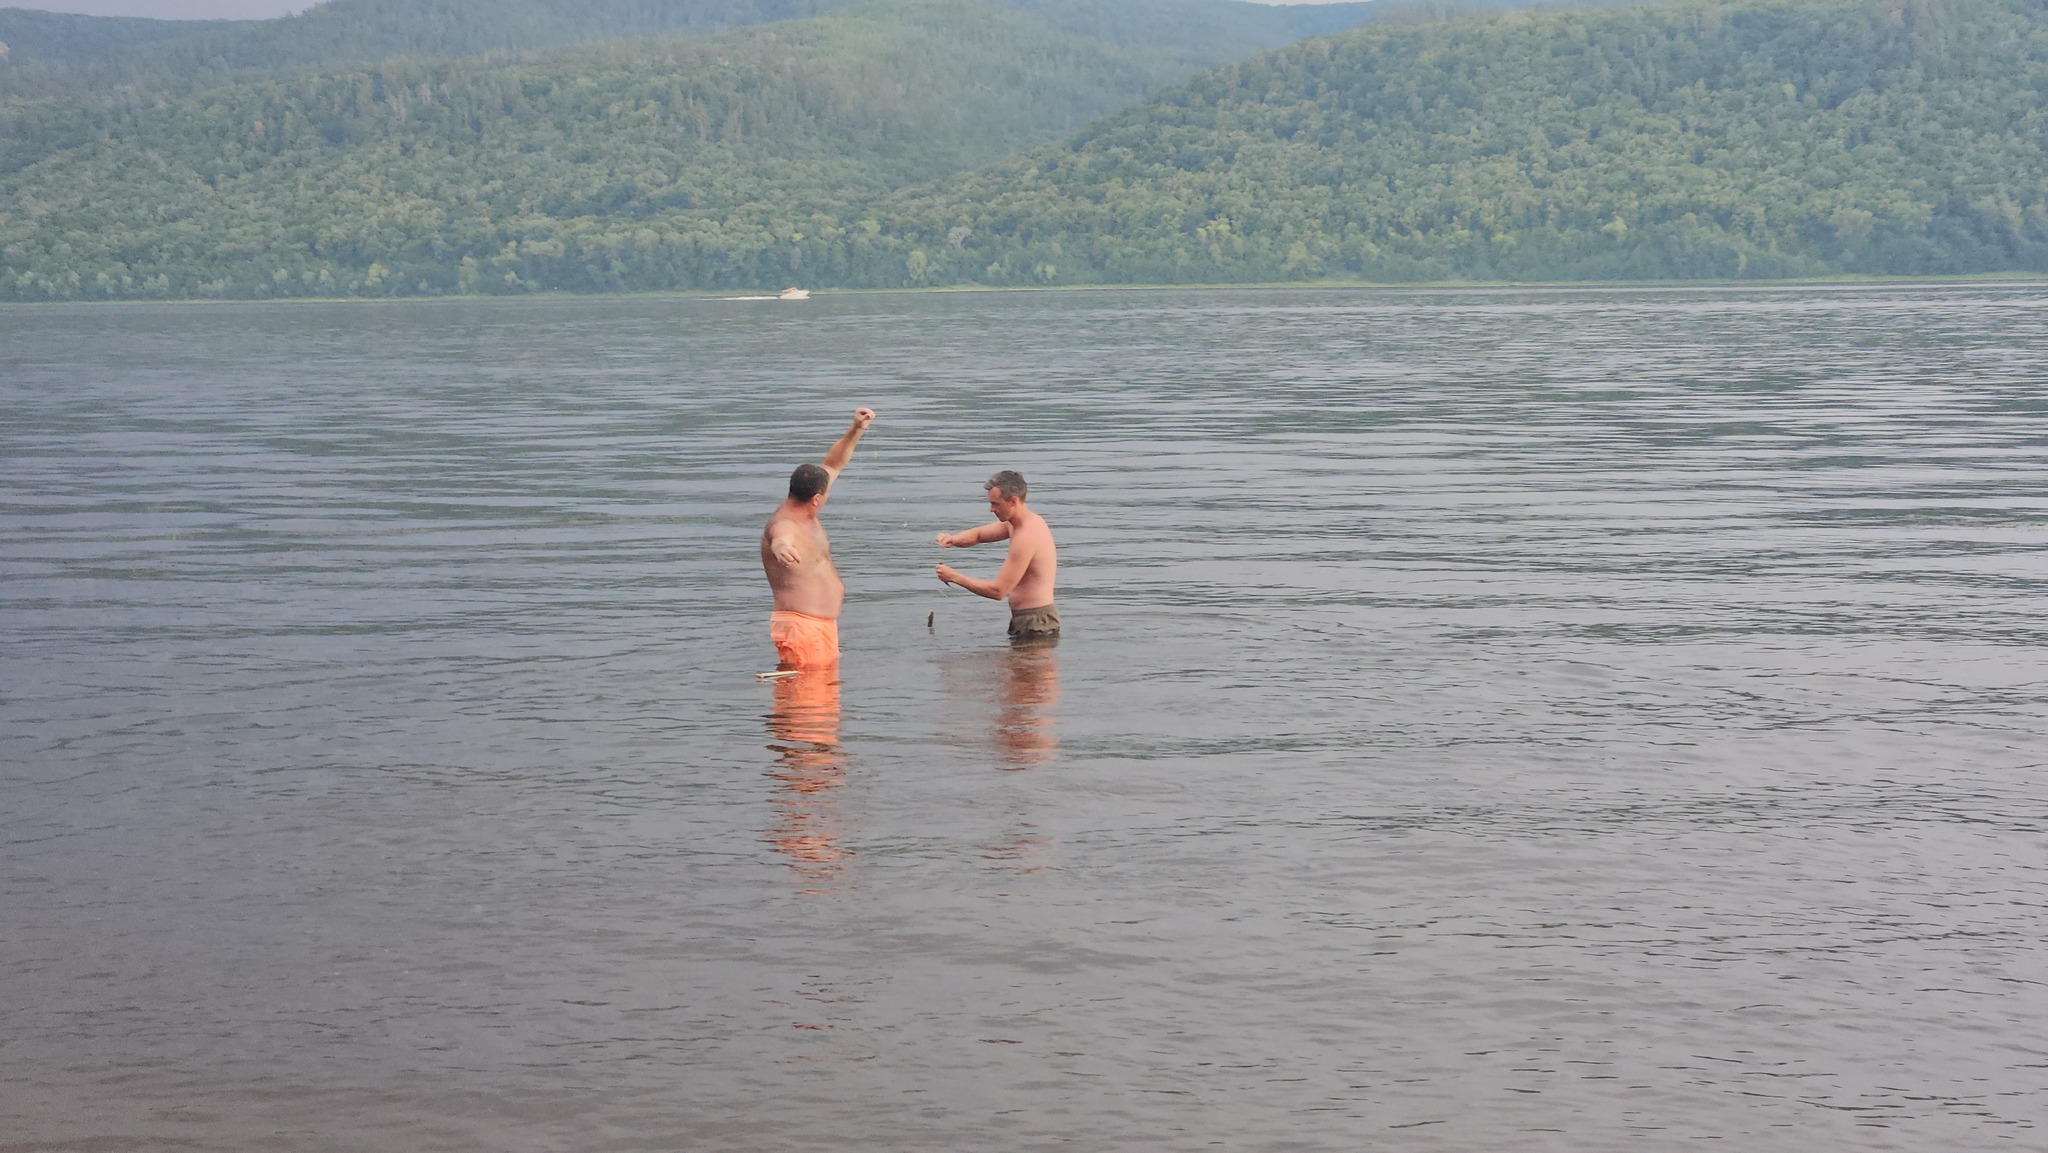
(76, 55)
(897, 144)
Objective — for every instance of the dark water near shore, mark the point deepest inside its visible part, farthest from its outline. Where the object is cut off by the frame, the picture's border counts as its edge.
(1488, 720)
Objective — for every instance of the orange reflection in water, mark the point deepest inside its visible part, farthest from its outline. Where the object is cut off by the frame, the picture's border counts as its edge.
(810, 764)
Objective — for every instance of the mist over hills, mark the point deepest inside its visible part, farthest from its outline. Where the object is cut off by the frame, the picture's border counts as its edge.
(1694, 140)
(919, 142)
(61, 40)
(466, 174)
(54, 54)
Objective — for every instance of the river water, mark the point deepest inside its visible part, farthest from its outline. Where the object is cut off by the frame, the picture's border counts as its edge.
(1486, 720)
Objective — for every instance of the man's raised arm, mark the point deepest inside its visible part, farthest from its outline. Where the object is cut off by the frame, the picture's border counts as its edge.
(968, 538)
(842, 449)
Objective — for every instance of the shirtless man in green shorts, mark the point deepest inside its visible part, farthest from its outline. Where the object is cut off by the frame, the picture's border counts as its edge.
(1027, 573)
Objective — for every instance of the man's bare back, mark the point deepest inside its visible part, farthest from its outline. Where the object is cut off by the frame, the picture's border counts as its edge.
(1031, 568)
(797, 558)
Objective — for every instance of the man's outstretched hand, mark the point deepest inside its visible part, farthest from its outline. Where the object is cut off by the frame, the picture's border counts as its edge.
(946, 574)
(863, 417)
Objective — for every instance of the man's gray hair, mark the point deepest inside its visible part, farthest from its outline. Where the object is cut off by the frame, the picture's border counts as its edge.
(1010, 484)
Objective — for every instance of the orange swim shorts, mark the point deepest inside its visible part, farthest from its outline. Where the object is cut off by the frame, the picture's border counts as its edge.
(804, 641)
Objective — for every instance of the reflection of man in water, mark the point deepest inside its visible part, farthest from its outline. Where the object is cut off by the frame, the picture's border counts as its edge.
(1005, 701)
(804, 729)
(798, 560)
(1025, 730)
(1027, 573)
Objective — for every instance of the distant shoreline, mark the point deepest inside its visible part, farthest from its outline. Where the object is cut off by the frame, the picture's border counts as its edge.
(727, 294)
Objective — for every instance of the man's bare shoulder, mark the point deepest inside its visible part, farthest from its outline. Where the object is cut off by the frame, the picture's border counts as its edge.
(798, 531)
(1032, 537)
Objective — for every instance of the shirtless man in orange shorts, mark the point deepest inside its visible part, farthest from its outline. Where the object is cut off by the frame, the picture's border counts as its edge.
(1029, 570)
(798, 561)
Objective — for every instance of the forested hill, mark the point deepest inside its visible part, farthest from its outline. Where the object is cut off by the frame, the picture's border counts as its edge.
(52, 55)
(1690, 139)
(478, 175)
(67, 40)
(48, 52)
(129, 53)
(1672, 142)
(1676, 141)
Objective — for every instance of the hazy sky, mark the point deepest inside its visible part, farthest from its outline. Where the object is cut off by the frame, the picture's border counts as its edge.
(196, 9)
(169, 9)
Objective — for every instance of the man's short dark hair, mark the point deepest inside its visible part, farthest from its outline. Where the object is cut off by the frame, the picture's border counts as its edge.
(1010, 484)
(808, 481)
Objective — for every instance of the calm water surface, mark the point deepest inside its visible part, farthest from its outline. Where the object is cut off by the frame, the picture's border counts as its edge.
(1487, 720)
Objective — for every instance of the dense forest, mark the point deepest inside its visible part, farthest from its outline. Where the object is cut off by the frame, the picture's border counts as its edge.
(55, 55)
(899, 142)
(1678, 141)
(59, 41)
(477, 175)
